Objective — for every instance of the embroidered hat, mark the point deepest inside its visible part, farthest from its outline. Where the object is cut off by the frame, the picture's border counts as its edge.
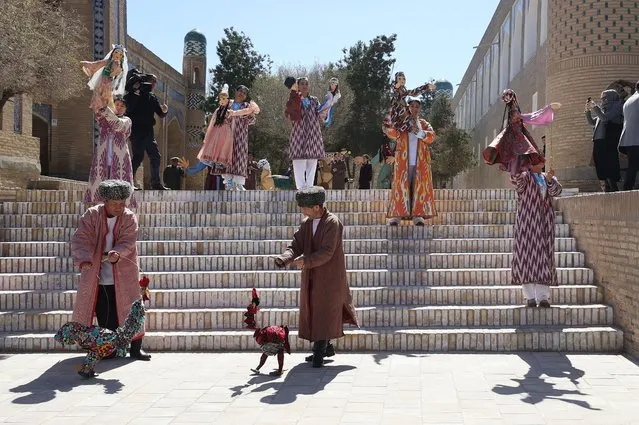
(310, 196)
(411, 99)
(114, 190)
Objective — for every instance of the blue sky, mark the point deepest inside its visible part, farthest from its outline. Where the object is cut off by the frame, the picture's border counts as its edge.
(435, 38)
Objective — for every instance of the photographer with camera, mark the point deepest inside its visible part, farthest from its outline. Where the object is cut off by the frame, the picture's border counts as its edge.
(607, 123)
(142, 105)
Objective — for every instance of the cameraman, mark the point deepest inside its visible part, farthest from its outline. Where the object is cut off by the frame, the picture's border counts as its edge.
(142, 105)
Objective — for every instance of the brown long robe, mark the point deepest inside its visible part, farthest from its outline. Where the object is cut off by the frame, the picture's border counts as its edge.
(325, 298)
(87, 245)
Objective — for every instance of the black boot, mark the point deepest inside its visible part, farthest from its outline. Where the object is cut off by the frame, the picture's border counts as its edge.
(612, 185)
(330, 352)
(319, 350)
(136, 351)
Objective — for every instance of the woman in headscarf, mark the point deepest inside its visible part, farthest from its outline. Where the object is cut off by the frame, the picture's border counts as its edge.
(607, 123)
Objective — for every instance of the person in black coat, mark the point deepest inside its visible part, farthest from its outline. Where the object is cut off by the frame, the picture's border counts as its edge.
(365, 173)
(142, 105)
(173, 174)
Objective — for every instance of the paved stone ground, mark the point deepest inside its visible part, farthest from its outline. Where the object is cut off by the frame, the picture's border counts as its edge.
(406, 389)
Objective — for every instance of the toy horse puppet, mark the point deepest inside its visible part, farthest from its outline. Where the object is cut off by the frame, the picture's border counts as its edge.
(273, 340)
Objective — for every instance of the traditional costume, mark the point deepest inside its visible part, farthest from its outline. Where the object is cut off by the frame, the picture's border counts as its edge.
(102, 343)
(111, 158)
(399, 115)
(306, 145)
(533, 264)
(106, 289)
(332, 96)
(242, 115)
(325, 298)
(217, 147)
(412, 193)
(514, 147)
(108, 77)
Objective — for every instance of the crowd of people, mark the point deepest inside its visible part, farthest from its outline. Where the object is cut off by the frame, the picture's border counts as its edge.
(109, 281)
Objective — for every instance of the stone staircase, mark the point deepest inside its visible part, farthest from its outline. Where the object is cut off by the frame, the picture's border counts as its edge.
(444, 287)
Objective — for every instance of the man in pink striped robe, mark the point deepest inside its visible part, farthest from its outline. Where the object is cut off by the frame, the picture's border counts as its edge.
(104, 249)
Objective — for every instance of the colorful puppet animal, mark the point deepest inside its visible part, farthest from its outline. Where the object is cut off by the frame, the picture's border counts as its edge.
(273, 340)
(100, 342)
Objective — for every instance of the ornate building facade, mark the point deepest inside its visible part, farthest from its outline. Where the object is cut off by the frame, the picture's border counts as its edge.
(547, 51)
(67, 132)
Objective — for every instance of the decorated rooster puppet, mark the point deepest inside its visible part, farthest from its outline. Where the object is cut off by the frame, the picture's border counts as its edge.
(108, 77)
(273, 340)
(103, 343)
(514, 147)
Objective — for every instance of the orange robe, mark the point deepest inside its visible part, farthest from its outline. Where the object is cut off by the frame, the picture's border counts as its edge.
(423, 200)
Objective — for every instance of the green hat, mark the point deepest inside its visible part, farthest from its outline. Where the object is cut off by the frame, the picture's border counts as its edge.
(310, 196)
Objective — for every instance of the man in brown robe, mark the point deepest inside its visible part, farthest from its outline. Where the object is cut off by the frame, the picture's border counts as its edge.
(104, 249)
(325, 298)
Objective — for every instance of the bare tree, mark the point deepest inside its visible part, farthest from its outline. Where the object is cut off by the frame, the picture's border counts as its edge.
(42, 44)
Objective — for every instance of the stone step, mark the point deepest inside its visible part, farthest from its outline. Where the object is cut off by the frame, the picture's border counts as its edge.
(368, 317)
(507, 339)
(270, 247)
(291, 279)
(265, 262)
(60, 234)
(256, 219)
(248, 207)
(289, 297)
(261, 195)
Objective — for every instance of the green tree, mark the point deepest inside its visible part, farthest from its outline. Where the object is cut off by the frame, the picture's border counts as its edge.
(368, 68)
(451, 152)
(42, 46)
(240, 64)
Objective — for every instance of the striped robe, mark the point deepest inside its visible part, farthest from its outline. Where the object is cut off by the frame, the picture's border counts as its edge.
(306, 135)
(240, 125)
(534, 245)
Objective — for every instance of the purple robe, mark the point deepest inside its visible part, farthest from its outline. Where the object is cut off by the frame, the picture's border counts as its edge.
(534, 244)
(306, 135)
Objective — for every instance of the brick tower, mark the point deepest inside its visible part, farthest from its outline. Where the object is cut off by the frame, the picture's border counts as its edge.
(591, 44)
(194, 71)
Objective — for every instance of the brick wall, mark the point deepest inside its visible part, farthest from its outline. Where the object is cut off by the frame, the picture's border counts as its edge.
(19, 152)
(19, 159)
(607, 229)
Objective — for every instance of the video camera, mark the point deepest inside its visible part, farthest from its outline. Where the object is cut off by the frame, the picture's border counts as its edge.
(136, 80)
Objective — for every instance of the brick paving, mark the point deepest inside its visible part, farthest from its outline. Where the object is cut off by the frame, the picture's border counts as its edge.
(384, 388)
